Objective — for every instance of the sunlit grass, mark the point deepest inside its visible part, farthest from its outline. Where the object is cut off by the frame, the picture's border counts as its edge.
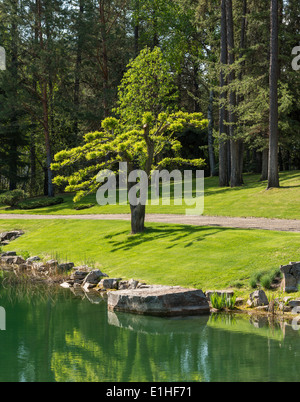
(250, 200)
(202, 257)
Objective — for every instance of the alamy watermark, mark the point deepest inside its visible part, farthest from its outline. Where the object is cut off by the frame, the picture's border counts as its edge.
(296, 60)
(2, 58)
(137, 189)
(2, 319)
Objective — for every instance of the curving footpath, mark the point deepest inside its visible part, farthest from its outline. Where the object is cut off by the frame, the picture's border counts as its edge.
(283, 225)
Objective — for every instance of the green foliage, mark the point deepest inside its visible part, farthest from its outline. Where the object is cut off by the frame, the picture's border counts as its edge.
(12, 198)
(79, 207)
(25, 254)
(222, 301)
(143, 131)
(264, 278)
(147, 88)
(40, 203)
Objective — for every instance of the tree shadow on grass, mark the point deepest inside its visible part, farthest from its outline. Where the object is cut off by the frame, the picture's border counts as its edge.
(175, 235)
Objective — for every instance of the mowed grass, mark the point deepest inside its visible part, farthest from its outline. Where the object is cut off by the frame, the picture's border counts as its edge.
(250, 200)
(201, 257)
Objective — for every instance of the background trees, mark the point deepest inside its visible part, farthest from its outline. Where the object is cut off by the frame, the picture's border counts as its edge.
(66, 60)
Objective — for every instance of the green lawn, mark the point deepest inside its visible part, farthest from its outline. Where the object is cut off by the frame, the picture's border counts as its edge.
(202, 257)
(251, 200)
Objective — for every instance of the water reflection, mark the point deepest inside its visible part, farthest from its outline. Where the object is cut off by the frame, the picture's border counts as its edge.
(63, 336)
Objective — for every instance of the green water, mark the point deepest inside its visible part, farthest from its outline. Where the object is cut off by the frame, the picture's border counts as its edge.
(56, 336)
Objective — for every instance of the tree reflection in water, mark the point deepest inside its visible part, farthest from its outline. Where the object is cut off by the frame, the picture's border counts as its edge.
(55, 335)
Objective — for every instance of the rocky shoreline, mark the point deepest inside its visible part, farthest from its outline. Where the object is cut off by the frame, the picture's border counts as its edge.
(135, 296)
(138, 297)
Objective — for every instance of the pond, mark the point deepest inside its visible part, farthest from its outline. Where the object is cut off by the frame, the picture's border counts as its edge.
(54, 335)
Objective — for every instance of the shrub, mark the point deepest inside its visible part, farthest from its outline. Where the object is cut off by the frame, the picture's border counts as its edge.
(83, 206)
(40, 203)
(264, 278)
(266, 281)
(12, 198)
(253, 282)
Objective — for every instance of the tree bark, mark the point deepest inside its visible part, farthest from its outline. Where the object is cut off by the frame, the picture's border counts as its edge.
(265, 163)
(45, 106)
(138, 213)
(105, 69)
(273, 174)
(137, 28)
(13, 149)
(78, 71)
(210, 117)
(223, 147)
(236, 177)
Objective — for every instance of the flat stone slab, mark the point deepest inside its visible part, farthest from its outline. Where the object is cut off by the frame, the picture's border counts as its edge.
(163, 301)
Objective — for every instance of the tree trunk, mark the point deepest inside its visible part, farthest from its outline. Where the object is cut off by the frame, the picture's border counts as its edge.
(223, 147)
(273, 174)
(78, 71)
(13, 149)
(137, 28)
(235, 178)
(265, 163)
(241, 144)
(45, 106)
(105, 70)
(210, 117)
(32, 161)
(138, 213)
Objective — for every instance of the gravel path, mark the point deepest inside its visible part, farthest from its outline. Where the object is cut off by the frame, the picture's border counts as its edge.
(284, 225)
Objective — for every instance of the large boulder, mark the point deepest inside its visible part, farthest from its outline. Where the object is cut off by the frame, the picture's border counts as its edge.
(7, 237)
(94, 277)
(258, 299)
(12, 260)
(109, 283)
(291, 276)
(159, 301)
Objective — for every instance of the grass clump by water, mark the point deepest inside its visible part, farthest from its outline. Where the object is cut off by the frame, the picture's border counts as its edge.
(222, 301)
(265, 279)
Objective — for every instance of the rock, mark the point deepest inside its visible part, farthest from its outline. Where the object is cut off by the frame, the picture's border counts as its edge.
(32, 259)
(51, 264)
(159, 301)
(78, 275)
(294, 303)
(257, 299)
(109, 283)
(131, 284)
(87, 285)
(66, 285)
(9, 260)
(239, 301)
(9, 254)
(10, 236)
(65, 266)
(283, 307)
(94, 277)
(4, 243)
(291, 276)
